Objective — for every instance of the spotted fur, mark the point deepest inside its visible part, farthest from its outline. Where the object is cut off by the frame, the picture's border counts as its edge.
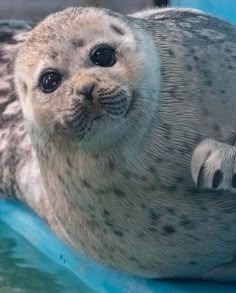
(131, 202)
(19, 171)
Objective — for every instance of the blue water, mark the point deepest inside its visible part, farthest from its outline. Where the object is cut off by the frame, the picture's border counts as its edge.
(225, 9)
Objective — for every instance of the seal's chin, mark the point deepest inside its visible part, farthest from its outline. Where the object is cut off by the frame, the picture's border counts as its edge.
(81, 127)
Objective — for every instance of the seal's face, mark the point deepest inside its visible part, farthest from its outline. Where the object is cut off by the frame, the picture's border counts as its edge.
(78, 75)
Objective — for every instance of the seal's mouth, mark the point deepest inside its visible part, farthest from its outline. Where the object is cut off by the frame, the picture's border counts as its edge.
(81, 124)
(82, 119)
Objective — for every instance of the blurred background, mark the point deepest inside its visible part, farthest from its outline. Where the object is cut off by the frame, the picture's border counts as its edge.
(37, 9)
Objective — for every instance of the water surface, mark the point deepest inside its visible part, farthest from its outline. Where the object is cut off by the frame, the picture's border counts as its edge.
(24, 269)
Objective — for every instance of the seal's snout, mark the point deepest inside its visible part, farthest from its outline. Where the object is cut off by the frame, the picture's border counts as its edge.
(84, 88)
(85, 96)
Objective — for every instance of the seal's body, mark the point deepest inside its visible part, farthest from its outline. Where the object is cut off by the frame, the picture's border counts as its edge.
(114, 112)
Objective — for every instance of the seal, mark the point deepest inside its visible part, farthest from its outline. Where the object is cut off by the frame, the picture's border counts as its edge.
(118, 109)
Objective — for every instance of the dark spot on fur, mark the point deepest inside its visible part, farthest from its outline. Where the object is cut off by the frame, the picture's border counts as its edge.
(195, 58)
(173, 90)
(95, 156)
(203, 209)
(171, 188)
(171, 53)
(68, 162)
(189, 67)
(222, 91)
(118, 192)
(107, 219)
(106, 213)
(54, 55)
(152, 170)
(153, 217)
(108, 222)
(85, 183)
(132, 258)
(168, 230)
(152, 187)
(193, 263)
(216, 127)
(234, 180)
(61, 179)
(117, 29)
(143, 206)
(159, 160)
(179, 179)
(208, 82)
(230, 67)
(76, 43)
(111, 165)
(118, 233)
(217, 179)
(227, 228)
(186, 222)
(171, 211)
(167, 130)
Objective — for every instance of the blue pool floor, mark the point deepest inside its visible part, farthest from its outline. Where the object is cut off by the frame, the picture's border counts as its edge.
(24, 269)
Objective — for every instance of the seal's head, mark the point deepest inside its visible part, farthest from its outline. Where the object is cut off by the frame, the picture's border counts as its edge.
(85, 75)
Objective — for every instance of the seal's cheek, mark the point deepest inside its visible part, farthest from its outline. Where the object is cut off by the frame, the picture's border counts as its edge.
(41, 115)
(22, 88)
(129, 71)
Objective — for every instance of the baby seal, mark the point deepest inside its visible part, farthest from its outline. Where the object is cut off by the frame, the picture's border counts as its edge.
(115, 106)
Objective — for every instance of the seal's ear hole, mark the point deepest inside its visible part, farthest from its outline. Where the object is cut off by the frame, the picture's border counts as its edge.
(24, 87)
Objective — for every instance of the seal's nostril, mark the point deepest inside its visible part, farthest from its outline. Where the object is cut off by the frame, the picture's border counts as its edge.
(86, 91)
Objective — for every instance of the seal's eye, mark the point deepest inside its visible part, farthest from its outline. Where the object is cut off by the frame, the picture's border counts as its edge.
(103, 56)
(50, 81)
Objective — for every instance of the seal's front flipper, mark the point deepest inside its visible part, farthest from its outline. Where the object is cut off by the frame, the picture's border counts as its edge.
(213, 165)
